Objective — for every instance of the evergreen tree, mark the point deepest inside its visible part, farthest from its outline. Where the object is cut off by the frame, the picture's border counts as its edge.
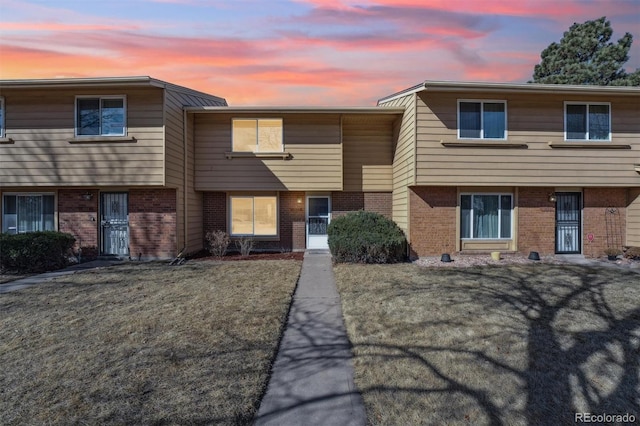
(585, 56)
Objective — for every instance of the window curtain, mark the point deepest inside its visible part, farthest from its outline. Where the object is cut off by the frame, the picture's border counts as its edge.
(485, 220)
(465, 216)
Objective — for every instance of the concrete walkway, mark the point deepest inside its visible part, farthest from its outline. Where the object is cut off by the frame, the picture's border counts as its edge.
(312, 380)
(40, 278)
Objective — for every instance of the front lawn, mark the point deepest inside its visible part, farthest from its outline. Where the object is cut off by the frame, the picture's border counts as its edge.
(144, 344)
(508, 345)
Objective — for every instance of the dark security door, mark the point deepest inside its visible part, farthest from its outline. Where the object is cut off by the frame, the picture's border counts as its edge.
(114, 223)
(568, 224)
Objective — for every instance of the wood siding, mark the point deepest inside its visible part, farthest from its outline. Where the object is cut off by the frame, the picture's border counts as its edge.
(403, 159)
(633, 218)
(367, 153)
(190, 234)
(535, 120)
(41, 124)
(312, 140)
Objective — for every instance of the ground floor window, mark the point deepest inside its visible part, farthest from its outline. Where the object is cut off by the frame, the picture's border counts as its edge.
(254, 215)
(486, 215)
(27, 213)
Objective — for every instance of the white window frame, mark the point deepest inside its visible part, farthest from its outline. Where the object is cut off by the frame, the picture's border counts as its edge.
(28, 194)
(587, 104)
(482, 102)
(257, 120)
(253, 197)
(100, 99)
(472, 238)
(3, 114)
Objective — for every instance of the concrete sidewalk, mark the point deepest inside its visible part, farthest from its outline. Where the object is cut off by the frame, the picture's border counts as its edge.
(312, 380)
(40, 278)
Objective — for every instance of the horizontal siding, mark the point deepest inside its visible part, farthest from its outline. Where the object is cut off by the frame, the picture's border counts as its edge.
(633, 218)
(403, 173)
(312, 140)
(368, 153)
(535, 120)
(41, 123)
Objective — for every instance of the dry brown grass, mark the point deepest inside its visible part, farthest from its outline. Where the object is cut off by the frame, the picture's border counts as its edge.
(6, 277)
(513, 345)
(144, 344)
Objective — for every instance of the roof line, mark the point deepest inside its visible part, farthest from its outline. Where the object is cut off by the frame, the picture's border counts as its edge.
(468, 86)
(102, 82)
(296, 109)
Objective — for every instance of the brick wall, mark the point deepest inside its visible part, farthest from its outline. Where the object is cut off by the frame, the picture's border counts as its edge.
(607, 228)
(79, 217)
(214, 213)
(432, 218)
(536, 221)
(344, 202)
(152, 223)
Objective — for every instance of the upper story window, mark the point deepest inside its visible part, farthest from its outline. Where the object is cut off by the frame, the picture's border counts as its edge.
(257, 135)
(587, 121)
(482, 119)
(1, 117)
(100, 116)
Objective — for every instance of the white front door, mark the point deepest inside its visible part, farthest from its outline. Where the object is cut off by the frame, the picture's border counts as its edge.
(318, 218)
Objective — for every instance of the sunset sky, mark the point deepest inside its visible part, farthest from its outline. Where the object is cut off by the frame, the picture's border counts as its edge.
(295, 52)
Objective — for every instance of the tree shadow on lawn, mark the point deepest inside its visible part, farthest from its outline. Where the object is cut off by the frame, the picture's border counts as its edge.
(581, 335)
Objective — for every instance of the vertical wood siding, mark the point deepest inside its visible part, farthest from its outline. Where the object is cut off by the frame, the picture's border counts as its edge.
(535, 120)
(633, 218)
(403, 159)
(174, 165)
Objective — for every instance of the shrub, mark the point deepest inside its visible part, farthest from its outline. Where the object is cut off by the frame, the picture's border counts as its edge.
(35, 251)
(245, 245)
(366, 237)
(218, 243)
(632, 253)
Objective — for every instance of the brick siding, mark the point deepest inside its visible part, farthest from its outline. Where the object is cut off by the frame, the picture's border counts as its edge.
(432, 218)
(607, 229)
(153, 223)
(292, 225)
(79, 217)
(536, 221)
(344, 202)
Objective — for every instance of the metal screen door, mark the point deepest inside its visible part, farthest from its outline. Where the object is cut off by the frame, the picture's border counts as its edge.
(318, 217)
(568, 223)
(114, 223)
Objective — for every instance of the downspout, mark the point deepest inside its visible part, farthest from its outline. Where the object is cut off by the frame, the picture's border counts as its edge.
(185, 176)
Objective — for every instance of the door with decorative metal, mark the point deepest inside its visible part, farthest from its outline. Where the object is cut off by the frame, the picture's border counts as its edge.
(568, 223)
(114, 223)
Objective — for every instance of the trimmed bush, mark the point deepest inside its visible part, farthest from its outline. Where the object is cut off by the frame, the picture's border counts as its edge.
(366, 237)
(35, 251)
